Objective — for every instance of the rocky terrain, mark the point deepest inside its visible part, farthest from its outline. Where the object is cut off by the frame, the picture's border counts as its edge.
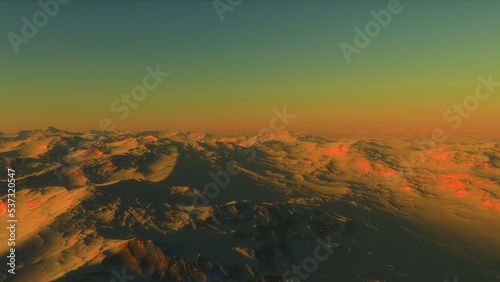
(174, 206)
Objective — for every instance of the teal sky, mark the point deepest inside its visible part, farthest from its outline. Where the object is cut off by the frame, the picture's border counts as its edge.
(227, 76)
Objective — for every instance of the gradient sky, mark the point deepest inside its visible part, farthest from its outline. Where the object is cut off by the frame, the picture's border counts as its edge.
(228, 76)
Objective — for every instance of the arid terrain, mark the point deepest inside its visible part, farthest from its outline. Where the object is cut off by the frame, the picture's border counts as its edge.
(174, 206)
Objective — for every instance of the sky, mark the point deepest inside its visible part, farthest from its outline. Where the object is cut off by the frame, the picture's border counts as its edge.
(231, 63)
